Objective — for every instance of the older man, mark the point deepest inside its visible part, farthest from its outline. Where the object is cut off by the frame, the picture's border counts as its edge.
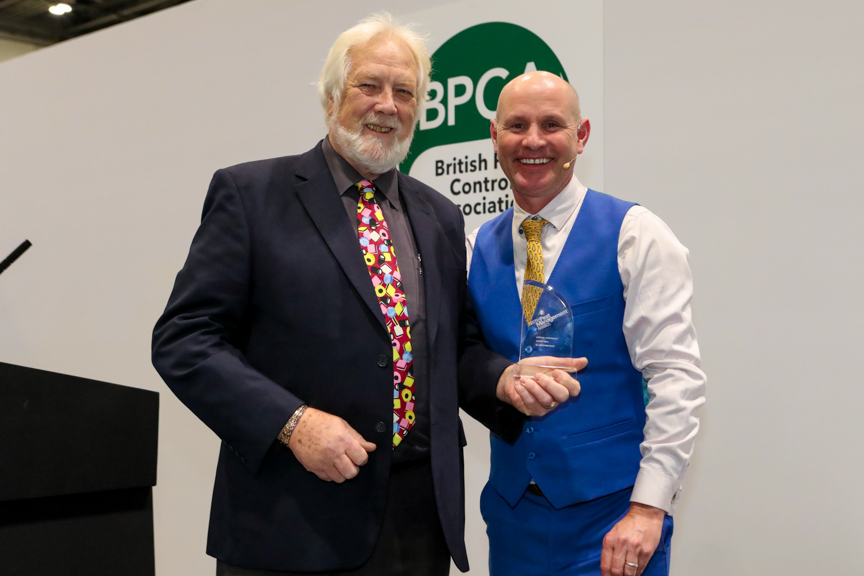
(588, 488)
(306, 331)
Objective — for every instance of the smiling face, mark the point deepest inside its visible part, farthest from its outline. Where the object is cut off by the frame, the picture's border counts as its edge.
(373, 127)
(537, 132)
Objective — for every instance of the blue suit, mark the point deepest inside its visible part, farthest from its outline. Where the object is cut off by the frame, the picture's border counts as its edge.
(588, 448)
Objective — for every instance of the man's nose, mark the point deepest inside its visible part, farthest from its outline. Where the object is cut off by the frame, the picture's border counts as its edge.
(533, 137)
(386, 104)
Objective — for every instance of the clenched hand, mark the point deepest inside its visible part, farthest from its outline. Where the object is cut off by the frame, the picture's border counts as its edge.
(328, 447)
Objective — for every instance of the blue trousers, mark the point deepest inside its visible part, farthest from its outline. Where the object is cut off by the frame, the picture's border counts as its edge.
(535, 539)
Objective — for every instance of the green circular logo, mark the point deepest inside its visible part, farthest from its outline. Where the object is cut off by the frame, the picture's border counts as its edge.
(452, 150)
(468, 73)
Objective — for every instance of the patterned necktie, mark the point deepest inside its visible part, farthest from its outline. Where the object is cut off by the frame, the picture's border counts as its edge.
(534, 266)
(381, 260)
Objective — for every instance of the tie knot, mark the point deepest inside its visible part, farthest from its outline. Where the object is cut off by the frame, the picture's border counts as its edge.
(366, 188)
(533, 228)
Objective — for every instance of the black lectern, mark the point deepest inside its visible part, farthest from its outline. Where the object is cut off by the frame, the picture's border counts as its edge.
(77, 467)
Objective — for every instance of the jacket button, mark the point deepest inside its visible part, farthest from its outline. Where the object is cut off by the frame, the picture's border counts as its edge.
(531, 456)
(529, 430)
(382, 361)
(379, 427)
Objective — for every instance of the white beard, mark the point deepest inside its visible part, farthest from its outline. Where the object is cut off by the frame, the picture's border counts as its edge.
(368, 151)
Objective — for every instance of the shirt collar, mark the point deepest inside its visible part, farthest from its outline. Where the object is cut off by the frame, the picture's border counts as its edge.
(559, 209)
(346, 175)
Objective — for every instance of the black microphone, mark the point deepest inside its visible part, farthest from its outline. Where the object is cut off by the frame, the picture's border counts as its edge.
(14, 255)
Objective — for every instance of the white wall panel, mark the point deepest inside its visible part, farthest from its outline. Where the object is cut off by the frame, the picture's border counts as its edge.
(738, 123)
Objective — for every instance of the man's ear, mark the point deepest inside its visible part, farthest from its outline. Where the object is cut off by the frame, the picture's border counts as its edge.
(583, 134)
(330, 106)
(493, 131)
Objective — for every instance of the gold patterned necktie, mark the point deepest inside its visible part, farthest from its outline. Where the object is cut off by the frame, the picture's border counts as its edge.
(534, 267)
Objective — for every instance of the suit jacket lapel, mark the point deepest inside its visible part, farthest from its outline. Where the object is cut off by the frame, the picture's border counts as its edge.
(318, 194)
(426, 231)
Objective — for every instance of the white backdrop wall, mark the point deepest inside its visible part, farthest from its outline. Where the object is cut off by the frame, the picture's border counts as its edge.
(738, 123)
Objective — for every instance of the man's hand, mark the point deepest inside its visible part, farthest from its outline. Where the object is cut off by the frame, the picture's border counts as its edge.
(632, 541)
(328, 447)
(540, 389)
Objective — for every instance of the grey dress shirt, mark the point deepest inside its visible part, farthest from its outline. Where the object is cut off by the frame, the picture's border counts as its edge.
(415, 446)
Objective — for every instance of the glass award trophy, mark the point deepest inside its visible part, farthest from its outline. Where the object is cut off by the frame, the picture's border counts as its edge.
(548, 334)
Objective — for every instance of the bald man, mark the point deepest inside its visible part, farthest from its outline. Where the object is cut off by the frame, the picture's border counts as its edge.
(589, 487)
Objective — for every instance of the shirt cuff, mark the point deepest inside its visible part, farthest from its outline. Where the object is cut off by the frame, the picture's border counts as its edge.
(655, 489)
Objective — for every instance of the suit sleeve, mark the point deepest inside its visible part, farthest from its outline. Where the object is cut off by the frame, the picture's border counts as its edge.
(198, 341)
(480, 368)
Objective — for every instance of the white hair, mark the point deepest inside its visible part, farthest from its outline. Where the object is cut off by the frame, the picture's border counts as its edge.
(338, 63)
(373, 155)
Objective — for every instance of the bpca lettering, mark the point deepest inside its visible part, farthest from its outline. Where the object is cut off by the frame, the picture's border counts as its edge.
(461, 90)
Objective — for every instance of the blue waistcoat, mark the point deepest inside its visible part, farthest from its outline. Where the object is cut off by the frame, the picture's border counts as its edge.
(589, 446)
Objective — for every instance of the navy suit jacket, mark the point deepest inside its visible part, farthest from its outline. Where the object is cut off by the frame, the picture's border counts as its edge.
(274, 308)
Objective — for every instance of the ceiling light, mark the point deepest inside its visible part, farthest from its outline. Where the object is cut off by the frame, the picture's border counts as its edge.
(60, 9)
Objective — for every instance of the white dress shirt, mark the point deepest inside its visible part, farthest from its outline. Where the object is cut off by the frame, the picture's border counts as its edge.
(657, 326)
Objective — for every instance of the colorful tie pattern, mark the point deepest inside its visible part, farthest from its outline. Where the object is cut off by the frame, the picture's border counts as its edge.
(534, 267)
(381, 260)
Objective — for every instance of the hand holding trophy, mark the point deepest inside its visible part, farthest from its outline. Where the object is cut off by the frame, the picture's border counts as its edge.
(542, 379)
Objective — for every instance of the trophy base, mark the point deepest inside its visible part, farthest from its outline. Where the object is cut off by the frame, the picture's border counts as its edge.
(526, 368)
